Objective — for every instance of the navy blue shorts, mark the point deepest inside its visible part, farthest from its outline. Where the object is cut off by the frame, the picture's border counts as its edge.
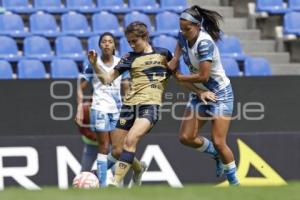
(130, 113)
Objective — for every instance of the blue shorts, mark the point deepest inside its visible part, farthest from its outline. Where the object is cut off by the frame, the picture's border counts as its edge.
(222, 107)
(103, 122)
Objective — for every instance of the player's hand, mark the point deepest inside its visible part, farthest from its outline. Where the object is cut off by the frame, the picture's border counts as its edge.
(178, 75)
(207, 96)
(92, 56)
(173, 64)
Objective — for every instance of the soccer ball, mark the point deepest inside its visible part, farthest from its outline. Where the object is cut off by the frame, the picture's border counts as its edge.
(86, 180)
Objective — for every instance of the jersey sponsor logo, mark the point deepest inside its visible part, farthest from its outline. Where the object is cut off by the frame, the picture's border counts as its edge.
(154, 73)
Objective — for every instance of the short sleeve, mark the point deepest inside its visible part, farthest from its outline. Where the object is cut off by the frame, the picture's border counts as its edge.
(205, 50)
(87, 73)
(124, 64)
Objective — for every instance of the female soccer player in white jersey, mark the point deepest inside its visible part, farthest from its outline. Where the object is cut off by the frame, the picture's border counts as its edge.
(196, 42)
(106, 104)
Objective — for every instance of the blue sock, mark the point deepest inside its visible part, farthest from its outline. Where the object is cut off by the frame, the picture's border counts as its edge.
(230, 171)
(208, 147)
(110, 161)
(101, 169)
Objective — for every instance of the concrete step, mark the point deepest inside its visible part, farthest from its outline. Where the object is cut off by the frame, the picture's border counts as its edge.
(258, 45)
(234, 24)
(225, 11)
(273, 57)
(244, 34)
(286, 69)
(204, 3)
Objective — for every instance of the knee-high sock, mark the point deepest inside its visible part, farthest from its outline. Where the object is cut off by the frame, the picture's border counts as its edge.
(208, 147)
(110, 161)
(101, 169)
(123, 165)
(230, 171)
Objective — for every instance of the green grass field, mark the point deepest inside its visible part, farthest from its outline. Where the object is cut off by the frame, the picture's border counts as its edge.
(159, 192)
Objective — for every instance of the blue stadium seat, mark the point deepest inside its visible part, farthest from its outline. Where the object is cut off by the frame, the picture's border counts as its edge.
(43, 24)
(137, 16)
(271, 6)
(12, 25)
(38, 47)
(64, 69)
(69, 47)
(124, 46)
(9, 49)
(31, 69)
(51, 6)
(294, 5)
(83, 6)
(231, 67)
(73, 23)
(167, 23)
(93, 43)
(115, 6)
(6, 71)
(173, 5)
(164, 41)
(292, 23)
(257, 67)
(230, 46)
(146, 6)
(18, 6)
(110, 24)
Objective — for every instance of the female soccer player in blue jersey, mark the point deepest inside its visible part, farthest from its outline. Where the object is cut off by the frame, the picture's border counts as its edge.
(148, 74)
(106, 104)
(196, 42)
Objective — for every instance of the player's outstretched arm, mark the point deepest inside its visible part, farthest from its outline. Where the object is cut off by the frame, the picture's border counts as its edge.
(104, 76)
(173, 64)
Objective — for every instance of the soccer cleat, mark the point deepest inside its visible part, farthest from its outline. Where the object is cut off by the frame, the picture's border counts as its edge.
(137, 177)
(113, 183)
(231, 177)
(219, 167)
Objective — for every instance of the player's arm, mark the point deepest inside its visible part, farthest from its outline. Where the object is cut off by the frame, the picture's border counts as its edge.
(125, 84)
(80, 95)
(173, 64)
(200, 77)
(104, 76)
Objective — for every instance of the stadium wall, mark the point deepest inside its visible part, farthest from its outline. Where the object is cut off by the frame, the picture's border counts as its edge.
(40, 145)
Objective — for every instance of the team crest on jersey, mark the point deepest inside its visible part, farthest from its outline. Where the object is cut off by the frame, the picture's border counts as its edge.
(122, 121)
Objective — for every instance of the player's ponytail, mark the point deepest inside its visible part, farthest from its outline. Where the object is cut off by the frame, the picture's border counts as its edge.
(207, 18)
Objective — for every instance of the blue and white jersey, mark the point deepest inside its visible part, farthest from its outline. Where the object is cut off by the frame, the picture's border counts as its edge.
(204, 49)
(106, 98)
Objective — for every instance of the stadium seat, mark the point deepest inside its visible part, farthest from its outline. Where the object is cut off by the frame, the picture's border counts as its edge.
(6, 71)
(64, 68)
(292, 23)
(83, 6)
(12, 25)
(231, 67)
(173, 5)
(137, 16)
(110, 24)
(164, 41)
(271, 6)
(73, 23)
(38, 47)
(257, 67)
(230, 46)
(146, 6)
(43, 24)
(18, 6)
(115, 6)
(167, 23)
(51, 6)
(9, 49)
(294, 5)
(31, 69)
(124, 46)
(93, 44)
(69, 47)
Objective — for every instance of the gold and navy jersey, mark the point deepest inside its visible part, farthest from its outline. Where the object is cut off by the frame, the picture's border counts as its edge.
(148, 73)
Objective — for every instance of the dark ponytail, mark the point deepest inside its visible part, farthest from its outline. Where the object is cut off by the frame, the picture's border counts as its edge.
(209, 18)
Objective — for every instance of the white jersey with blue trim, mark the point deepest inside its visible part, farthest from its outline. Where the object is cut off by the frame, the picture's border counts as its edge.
(204, 49)
(106, 98)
